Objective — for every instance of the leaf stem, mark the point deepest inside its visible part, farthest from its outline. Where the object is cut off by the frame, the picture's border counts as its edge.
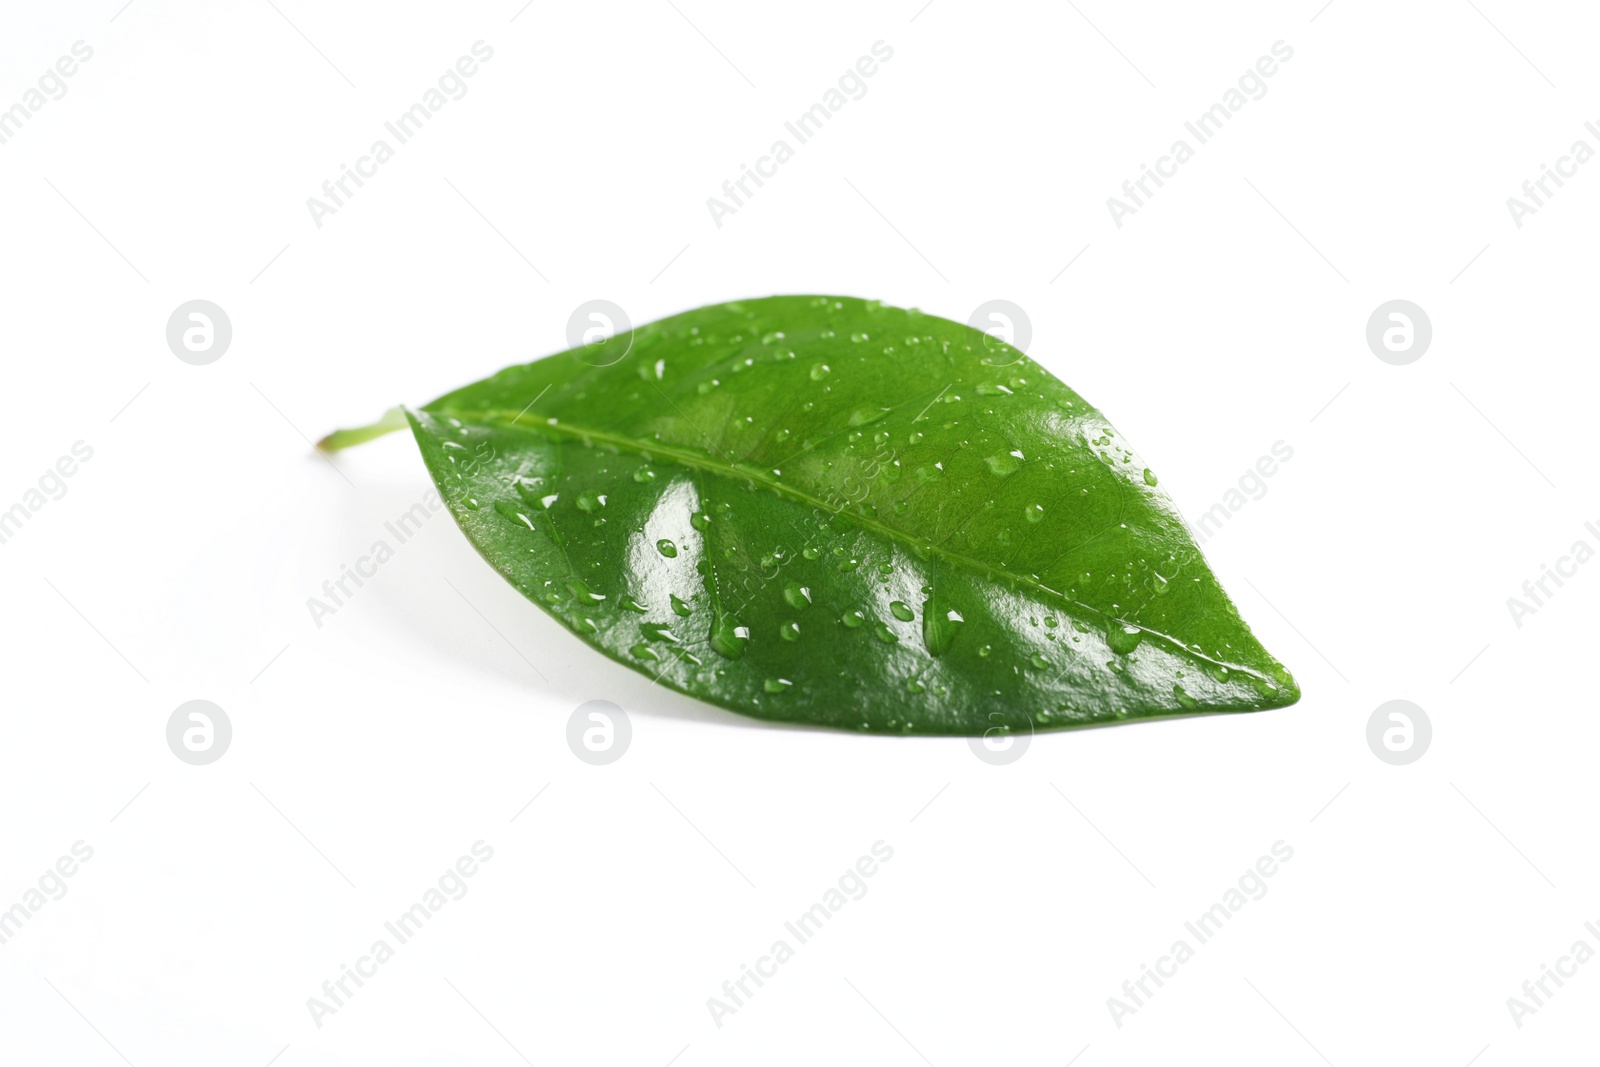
(392, 420)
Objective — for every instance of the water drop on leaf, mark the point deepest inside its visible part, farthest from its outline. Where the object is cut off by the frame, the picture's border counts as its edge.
(657, 631)
(510, 511)
(729, 638)
(581, 590)
(940, 624)
(1003, 463)
(1123, 639)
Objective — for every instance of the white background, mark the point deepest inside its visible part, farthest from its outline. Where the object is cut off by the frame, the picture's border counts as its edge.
(369, 753)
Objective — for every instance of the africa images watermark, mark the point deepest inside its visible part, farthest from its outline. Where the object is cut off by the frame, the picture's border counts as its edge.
(52, 85)
(403, 128)
(1204, 127)
(403, 528)
(736, 991)
(337, 992)
(51, 482)
(52, 885)
(1136, 992)
(1252, 485)
(1536, 991)
(1252, 481)
(802, 129)
(1566, 567)
(1566, 167)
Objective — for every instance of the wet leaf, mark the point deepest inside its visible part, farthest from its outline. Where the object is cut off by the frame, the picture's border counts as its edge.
(824, 510)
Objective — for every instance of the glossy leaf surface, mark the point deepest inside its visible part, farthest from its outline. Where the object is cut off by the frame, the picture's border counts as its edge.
(825, 510)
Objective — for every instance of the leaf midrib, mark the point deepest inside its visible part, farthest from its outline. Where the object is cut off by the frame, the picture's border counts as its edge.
(705, 462)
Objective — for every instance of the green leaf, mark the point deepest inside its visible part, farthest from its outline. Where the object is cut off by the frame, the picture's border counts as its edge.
(825, 510)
